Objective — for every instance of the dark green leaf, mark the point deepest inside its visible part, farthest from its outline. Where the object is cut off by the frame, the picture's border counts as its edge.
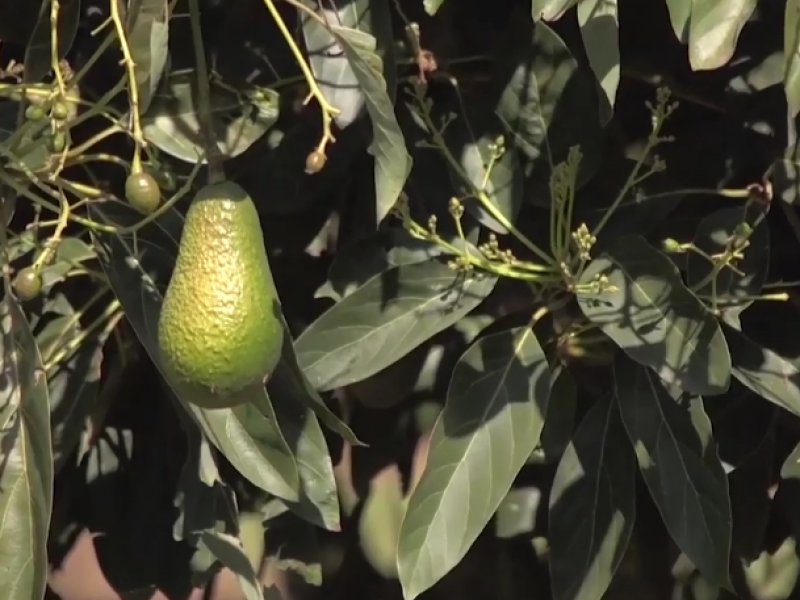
(549, 104)
(138, 266)
(718, 233)
(228, 549)
(392, 160)
(39, 51)
(766, 373)
(551, 10)
(654, 318)
(490, 424)
(385, 319)
(26, 478)
(560, 422)
(592, 506)
(785, 174)
(678, 459)
(714, 29)
(147, 29)
(239, 119)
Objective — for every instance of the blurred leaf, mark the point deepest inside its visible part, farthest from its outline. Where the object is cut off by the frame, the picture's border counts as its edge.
(654, 318)
(645, 207)
(766, 373)
(680, 11)
(516, 514)
(385, 319)
(138, 267)
(791, 56)
(239, 118)
(490, 171)
(490, 424)
(330, 64)
(599, 25)
(392, 161)
(592, 506)
(432, 6)
(678, 459)
(548, 104)
(39, 50)
(551, 10)
(26, 478)
(73, 379)
(785, 176)
(720, 232)
(380, 520)
(714, 29)
(147, 28)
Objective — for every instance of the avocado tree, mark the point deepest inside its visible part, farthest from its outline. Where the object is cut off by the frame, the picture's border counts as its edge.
(399, 298)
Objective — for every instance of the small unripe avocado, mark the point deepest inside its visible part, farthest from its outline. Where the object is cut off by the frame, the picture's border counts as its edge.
(142, 192)
(220, 332)
(28, 284)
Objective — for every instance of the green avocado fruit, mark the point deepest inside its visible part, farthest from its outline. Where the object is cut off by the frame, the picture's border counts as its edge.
(220, 332)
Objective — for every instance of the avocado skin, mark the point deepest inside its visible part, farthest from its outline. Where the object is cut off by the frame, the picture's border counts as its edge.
(219, 332)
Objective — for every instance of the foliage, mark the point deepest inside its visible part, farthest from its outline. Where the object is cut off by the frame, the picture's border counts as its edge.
(537, 271)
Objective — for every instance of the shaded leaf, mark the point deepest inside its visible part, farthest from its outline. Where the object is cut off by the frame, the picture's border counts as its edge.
(551, 10)
(599, 23)
(592, 506)
(654, 318)
(548, 104)
(678, 459)
(765, 372)
(239, 119)
(714, 29)
(147, 28)
(138, 266)
(392, 160)
(39, 50)
(230, 552)
(385, 319)
(490, 424)
(26, 476)
(560, 422)
(743, 229)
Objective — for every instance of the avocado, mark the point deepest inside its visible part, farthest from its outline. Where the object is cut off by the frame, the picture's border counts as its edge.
(220, 332)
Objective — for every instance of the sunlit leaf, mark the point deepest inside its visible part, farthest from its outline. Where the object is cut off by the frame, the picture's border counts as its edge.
(239, 119)
(138, 266)
(599, 25)
(769, 375)
(646, 309)
(714, 29)
(791, 56)
(26, 478)
(392, 160)
(678, 459)
(490, 424)
(592, 506)
(680, 11)
(385, 319)
(147, 28)
(228, 549)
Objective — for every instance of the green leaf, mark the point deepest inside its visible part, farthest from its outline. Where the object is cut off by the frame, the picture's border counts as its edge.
(599, 25)
(680, 11)
(678, 460)
(766, 373)
(560, 422)
(714, 29)
(551, 10)
(549, 103)
(239, 119)
(39, 50)
(432, 6)
(791, 55)
(592, 506)
(385, 319)
(230, 552)
(331, 66)
(147, 28)
(392, 160)
(473, 138)
(654, 318)
(490, 424)
(26, 477)
(138, 266)
(722, 231)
